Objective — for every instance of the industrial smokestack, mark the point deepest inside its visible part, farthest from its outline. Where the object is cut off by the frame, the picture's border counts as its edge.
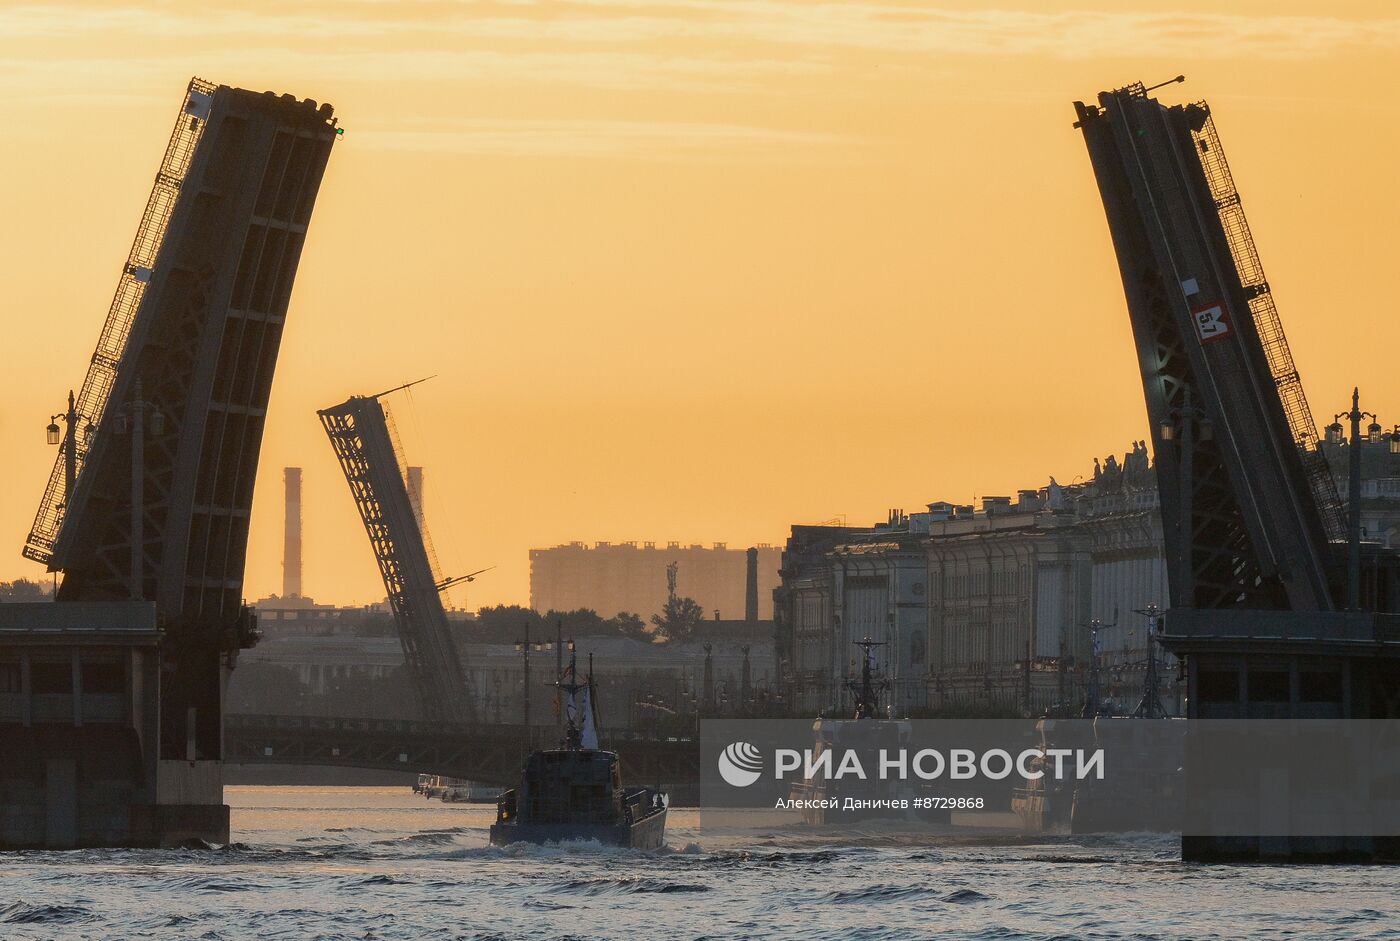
(291, 545)
(415, 494)
(751, 587)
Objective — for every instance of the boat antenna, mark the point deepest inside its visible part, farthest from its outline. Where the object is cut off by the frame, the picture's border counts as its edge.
(593, 703)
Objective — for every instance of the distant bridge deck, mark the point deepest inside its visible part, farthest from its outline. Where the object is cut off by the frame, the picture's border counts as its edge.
(487, 753)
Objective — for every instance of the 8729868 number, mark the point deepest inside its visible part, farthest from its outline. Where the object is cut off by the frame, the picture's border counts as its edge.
(949, 803)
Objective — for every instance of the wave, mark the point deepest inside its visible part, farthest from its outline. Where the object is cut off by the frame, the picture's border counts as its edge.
(425, 838)
(742, 859)
(624, 886)
(381, 879)
(210, 884)
(543, 851)
(898, 893)
(318, 851)
(689, 849)
(539, 905)
(21, 913)
(876, 893)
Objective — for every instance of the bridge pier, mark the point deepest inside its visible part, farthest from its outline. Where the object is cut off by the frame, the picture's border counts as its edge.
(1285, 665)
(80, 734)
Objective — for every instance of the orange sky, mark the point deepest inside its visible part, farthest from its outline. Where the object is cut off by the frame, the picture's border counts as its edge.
(692, 269)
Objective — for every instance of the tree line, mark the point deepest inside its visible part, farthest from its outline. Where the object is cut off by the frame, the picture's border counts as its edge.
(24, 589)
(506, 624)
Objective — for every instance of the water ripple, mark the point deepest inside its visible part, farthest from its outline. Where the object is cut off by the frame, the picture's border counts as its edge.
(376, 864)
(21, 913)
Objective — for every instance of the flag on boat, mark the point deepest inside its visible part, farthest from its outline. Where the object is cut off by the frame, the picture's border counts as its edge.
(588, 737)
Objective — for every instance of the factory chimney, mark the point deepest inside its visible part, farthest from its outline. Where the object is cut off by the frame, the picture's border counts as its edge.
(291, 545)
(415, 494)
(751, 587)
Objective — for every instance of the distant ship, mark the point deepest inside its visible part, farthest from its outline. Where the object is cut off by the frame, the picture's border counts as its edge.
(1145, 750)
(1144, 793)
(451, 790)
(575, 792)
(866, 734)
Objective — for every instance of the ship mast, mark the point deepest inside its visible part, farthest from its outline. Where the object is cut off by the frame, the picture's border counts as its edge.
(868, 690)
(573, 731)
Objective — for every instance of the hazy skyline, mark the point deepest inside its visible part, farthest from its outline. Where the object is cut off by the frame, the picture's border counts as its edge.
(693, 270)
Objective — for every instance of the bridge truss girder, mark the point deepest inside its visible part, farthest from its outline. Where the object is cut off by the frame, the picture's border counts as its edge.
(1245, 504)
(360, 434)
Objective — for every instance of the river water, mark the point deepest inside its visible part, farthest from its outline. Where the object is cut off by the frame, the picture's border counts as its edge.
(382, 863)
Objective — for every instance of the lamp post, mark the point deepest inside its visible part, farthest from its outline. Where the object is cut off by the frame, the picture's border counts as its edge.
(69, 441)
(1354, 497)
(524, 646)
(1150, 706)
(709, 677)
(1092, 702)
(1091, 699)
(132, 420)
(1180, 425)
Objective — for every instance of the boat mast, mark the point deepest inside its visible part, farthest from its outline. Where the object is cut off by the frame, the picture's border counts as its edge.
(869, 689)
(573, 733)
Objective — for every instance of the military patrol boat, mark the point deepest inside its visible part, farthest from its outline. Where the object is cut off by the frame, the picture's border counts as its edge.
(575, 792)
(867, 733)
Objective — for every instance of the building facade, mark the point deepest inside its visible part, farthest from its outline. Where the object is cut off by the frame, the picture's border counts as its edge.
(349, 662)
(1018, 606)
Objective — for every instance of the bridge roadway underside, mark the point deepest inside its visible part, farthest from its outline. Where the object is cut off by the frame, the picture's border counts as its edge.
(489, 754)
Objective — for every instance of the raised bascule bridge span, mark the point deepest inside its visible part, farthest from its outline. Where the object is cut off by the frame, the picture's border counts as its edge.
(112, 719)
(1277, 609)
(1251, 509)
(366, 445)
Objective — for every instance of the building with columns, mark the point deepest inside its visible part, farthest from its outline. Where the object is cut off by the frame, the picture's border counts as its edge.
(996, 609)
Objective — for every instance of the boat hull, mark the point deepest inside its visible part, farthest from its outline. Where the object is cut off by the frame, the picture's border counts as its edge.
(649, 833)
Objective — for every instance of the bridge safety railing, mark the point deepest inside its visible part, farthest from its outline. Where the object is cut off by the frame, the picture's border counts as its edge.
(116, 329)
(1268, 325)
